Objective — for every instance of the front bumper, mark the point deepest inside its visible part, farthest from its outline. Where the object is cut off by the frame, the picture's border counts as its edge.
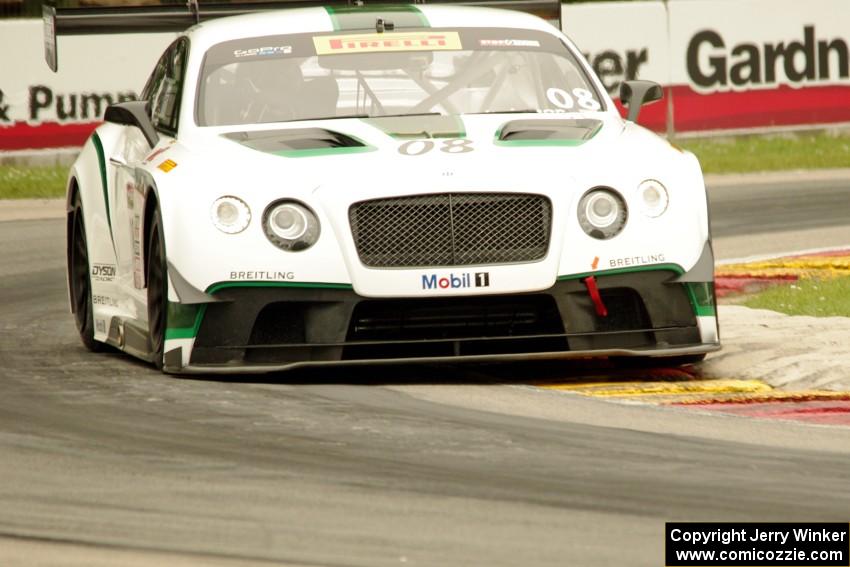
(264, 328)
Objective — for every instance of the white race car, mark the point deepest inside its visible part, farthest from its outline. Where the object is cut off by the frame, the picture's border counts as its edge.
(418, 182)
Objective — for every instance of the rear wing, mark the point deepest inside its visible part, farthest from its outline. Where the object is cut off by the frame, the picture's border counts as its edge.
(178, 17)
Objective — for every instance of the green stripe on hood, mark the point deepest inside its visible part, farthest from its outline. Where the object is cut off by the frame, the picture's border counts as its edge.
(353, 18)
(417, 127)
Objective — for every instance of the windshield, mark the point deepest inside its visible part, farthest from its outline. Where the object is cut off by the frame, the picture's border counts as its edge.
(435, 71)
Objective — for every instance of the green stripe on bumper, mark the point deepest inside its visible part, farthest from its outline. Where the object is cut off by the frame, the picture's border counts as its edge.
(702, 298)
(314, 285)
(184, 320)
(701, 294)
(676, 268)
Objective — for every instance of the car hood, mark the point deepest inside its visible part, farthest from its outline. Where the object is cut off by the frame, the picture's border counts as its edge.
(434, 153)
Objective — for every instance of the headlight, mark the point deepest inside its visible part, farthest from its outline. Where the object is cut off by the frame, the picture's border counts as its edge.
(290, 225)
(230, 214)
(653, 198)
(602, 213)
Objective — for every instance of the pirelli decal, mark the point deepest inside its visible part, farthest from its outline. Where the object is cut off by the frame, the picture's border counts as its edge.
(387, 42)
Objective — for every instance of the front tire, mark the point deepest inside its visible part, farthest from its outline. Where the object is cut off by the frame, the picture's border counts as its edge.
(79, 277)
(157, 290)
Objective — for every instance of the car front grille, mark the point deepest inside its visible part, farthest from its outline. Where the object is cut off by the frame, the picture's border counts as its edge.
(451, 229)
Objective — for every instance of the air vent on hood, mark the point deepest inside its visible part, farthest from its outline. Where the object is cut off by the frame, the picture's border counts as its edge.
(568, 132)
(293, 141)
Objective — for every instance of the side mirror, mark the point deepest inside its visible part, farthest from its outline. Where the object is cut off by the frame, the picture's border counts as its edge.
(634, 94)
(133, 113)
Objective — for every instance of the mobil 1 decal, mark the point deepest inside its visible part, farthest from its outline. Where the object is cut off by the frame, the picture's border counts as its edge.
(464, 280)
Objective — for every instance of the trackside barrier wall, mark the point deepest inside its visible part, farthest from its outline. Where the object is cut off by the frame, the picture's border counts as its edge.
(42, 109)
(725, 65)
(759, 63)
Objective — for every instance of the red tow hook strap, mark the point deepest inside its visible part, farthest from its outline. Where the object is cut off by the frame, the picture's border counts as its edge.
(593, 290)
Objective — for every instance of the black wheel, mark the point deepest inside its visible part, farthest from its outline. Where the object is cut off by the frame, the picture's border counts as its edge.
(79, 277)
(157, 289)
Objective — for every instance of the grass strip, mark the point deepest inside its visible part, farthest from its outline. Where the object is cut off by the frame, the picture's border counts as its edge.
(818, 298)
(22, 182)
(745, 154)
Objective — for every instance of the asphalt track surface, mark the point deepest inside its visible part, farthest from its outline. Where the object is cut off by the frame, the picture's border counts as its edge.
(746, 208)
(104, 461)
(780, 213)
